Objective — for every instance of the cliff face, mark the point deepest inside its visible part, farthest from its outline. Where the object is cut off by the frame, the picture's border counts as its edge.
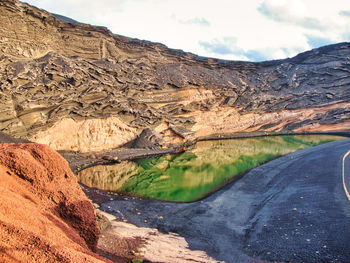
(44, 215)
(111, 87)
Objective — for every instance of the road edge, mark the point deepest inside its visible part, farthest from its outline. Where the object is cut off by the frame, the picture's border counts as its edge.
(344, 184)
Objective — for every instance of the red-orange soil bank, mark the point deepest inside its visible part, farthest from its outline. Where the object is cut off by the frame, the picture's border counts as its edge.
(44, 215)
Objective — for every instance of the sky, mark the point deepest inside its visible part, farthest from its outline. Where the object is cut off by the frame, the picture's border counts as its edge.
(250, 30)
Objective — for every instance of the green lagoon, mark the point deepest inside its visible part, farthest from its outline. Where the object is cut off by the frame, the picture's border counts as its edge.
(192, 175)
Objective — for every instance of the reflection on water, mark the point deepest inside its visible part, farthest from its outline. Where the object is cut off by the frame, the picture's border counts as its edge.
(192, 175)
(108, 177)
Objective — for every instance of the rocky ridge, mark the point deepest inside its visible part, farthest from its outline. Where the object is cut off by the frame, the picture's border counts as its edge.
(80, 87)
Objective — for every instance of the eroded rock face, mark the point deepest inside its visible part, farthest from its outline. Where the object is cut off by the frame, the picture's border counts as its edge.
(52, 70)
(44, 215)
(86, 135)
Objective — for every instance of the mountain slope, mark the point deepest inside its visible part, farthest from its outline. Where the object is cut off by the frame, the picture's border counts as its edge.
(80, 87)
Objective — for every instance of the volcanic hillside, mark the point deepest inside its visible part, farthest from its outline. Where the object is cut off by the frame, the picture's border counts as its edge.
(79, 87)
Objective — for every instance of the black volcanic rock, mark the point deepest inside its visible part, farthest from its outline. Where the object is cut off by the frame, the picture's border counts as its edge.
(146, 139)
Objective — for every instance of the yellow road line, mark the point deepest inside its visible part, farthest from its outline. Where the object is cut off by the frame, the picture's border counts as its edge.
(344, 184)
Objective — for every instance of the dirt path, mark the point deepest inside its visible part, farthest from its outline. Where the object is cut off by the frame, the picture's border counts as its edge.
(291, 209)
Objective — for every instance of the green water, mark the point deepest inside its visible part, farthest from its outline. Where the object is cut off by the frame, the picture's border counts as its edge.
(194, 174)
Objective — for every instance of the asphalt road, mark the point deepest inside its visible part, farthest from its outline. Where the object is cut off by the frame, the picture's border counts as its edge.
(292, 209)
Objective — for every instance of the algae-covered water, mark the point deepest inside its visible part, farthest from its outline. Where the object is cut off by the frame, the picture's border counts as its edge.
(192, 175)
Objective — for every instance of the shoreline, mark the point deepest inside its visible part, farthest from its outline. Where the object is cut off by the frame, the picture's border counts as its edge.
(150, 241)
(80, 161)
(204, 226)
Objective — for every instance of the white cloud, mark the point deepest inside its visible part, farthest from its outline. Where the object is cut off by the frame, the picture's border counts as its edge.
(83, 10)
(292, 12)
(228, 29)
(196, 21)
(345, 13)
